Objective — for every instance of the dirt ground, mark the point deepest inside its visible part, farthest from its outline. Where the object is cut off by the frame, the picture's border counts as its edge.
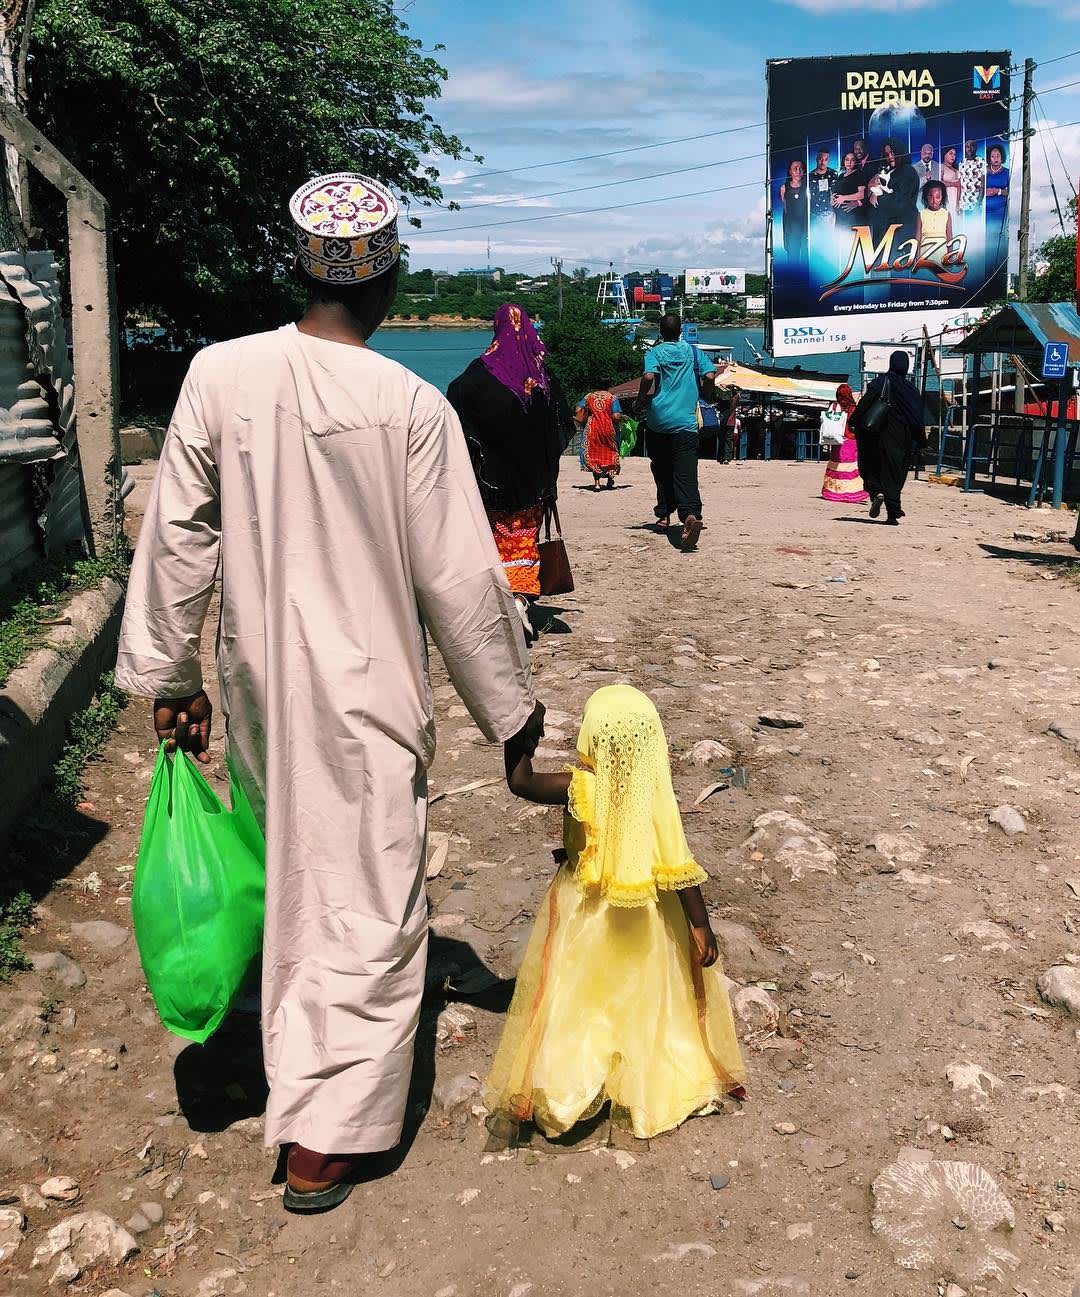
(926, 664)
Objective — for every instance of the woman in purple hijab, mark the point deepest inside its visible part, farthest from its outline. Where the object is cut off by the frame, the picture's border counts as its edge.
(517, 425)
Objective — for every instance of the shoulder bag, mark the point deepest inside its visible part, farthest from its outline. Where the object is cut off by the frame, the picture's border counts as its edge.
(708, 419)
(874, 418)
(555, 574)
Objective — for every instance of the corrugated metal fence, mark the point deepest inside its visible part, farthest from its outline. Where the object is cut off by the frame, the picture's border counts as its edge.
(41, 510)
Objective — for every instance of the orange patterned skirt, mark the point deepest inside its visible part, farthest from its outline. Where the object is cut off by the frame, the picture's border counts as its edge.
(517, 538)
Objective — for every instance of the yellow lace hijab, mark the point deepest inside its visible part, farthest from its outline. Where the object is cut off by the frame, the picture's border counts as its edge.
(624, 835)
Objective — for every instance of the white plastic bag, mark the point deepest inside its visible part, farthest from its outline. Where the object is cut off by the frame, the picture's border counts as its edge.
(833, 426)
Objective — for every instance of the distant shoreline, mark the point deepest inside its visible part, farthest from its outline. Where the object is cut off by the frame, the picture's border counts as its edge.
(436, 322)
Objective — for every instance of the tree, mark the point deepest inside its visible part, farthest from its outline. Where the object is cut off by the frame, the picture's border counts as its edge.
(586, 354)
(197, 118)
(1056, 280)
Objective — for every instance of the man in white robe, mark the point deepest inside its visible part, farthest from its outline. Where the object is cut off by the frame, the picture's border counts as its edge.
(332, 491)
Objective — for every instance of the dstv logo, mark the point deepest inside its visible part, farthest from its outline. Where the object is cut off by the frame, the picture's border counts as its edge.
(804, 331)
(986, 80)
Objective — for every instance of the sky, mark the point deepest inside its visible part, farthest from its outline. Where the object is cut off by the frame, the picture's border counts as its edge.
(537, 84)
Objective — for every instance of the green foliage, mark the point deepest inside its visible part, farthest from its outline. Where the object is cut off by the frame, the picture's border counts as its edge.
(88, 732)
(38, 848)
(1057, 283)
(15, 914)
(197, 119)
(37, 591)
(586, 354)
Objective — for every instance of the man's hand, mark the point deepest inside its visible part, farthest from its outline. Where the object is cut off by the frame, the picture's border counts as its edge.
(527, 739)
(185, 723)
(705, 949)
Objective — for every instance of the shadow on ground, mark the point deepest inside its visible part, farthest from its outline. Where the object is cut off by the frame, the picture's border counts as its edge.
(1036, 557)
(547, 619)
(223, 1081)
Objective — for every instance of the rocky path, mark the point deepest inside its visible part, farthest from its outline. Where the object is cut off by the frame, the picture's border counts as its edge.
(893, 888)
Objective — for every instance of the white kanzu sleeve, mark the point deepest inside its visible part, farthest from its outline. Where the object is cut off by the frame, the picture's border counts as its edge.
(176, 559)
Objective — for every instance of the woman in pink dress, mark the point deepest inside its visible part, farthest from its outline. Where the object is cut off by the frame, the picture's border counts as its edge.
(842, 484)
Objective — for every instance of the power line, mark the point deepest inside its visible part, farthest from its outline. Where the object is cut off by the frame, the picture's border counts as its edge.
(1049, 170)
(1057, 147)
(585, 211)
(697, 166)
(1010, 135)
(706, 135)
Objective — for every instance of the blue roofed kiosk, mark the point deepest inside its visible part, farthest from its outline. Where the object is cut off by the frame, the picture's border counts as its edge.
(1025, 332)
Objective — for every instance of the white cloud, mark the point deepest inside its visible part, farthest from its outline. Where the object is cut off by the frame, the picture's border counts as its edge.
(1044, 221)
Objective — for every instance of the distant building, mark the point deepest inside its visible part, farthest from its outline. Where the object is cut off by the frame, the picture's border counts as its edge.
(656, 287)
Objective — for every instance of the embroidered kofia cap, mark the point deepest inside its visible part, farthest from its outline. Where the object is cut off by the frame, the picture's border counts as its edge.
(346, 227)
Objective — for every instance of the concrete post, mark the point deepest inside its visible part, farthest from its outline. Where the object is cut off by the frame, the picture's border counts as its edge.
(93, 325)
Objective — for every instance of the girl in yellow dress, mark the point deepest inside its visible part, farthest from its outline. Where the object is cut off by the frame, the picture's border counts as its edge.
(935, 222)
(620, 997)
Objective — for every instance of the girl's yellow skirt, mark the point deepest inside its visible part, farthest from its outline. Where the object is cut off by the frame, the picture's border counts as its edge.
(609, 1005)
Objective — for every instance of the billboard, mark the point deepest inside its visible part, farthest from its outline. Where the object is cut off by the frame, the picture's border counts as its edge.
(888, 180)
(700, 283)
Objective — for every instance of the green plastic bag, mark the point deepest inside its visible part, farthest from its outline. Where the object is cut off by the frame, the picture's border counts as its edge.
(628, 435)
(198, 897)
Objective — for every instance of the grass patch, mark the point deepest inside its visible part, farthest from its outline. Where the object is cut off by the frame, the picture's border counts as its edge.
(15, 914)
(53, 834)
(37, 594)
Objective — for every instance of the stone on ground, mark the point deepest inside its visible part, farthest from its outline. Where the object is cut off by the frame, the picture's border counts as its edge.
(708, 752)
(455, 1090)
(1067, 731)
(791, 844)
(781, 720)
(12, 1228)
(89, 1238)
(1008, 819)
(64, 971)
(742, 954)
(948, 1217)
(219, 1283)
(900, 847)
(1060, 986)
(988, 936)
(100, 933)
(972, 1080)
(61, 1188)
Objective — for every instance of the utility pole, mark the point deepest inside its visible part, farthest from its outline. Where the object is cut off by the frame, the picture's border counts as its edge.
(557, 263)
(1025, 190)
(1025, 217)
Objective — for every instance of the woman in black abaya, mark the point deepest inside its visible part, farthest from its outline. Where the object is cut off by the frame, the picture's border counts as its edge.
(885, 449)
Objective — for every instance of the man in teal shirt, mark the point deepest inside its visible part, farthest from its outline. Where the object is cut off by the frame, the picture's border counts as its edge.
(669, 394)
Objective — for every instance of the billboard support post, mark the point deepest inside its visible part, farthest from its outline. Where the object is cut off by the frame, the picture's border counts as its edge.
(1061, 438)
(969, 486)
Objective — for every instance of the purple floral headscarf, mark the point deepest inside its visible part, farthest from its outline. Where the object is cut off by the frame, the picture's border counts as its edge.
(516, 356)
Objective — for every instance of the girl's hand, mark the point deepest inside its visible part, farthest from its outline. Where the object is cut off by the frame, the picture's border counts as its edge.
(706, 952)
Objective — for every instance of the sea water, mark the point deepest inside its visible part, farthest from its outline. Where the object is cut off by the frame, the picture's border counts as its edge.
(439, 355)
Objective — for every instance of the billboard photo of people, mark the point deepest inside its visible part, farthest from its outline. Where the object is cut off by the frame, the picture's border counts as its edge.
(888, 194)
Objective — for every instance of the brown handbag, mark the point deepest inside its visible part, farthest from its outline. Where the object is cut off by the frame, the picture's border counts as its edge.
(555, 574)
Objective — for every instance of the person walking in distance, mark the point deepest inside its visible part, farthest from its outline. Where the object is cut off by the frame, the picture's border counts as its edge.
(889, 421)
(516, 424)
(669, 394)
(331, 490)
